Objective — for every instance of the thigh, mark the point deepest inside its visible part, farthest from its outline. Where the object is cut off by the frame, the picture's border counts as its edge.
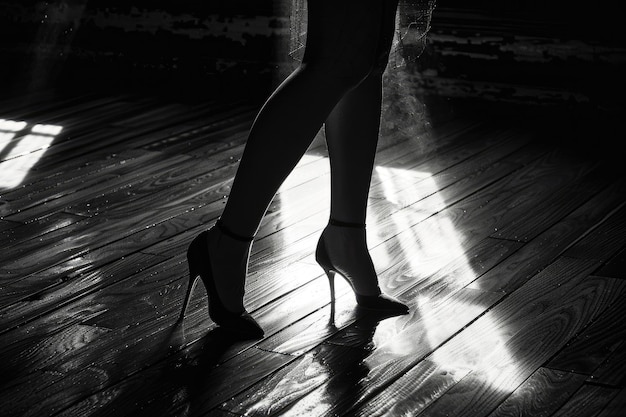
(388, 30)
(349, 35)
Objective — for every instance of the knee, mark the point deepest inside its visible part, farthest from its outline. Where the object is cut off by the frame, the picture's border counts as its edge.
(352, 72)
(356, 74)
(341, 75)
(352, 75)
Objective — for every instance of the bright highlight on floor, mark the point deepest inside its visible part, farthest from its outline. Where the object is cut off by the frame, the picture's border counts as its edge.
(431, 243)
(407, 210)
(21, 146)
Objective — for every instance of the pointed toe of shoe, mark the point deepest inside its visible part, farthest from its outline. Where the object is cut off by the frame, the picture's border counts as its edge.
(383, 303)
(242, 326)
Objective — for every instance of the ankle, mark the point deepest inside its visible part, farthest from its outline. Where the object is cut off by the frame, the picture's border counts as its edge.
(225, 230)
(228, 252)
(340, 223)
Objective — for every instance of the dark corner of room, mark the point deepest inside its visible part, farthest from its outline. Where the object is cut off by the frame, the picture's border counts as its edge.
(527, 55)
(184, 49)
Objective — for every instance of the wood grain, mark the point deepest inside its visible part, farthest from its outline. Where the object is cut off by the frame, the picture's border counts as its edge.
(528, 346)
(587, 401)
(540, 395)
(593, 346)
(616, 406)
(507, 247)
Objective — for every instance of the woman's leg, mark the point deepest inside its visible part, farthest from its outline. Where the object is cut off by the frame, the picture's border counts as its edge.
(352, 131)
(337, 59)
(281, 133)
(352, 137)
(342, 43)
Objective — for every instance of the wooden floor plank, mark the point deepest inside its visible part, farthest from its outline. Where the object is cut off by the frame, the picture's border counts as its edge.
(509, 276)
(203, 123)
(121, 222)
(61, 184)
(587, 401)
(113, 319)
(100, 323)
(595, 344)
(542, 330)
(187, 385)
(370, 338)
(7, 225)
(553, 207)
(42, 210)
(116, 136)
(304, 336)
(52, 297)
(49, 111)
(17, 107)
(291, 382)
(616, 266)
(177, 171)
(62, 178)
(36, 229)
(616, 406)
(612, 371)
(507, 247)
(412, 391)
(540, 395)
(605, 240)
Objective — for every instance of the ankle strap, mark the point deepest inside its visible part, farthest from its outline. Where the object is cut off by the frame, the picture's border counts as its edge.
(225, 230)
(339, 223)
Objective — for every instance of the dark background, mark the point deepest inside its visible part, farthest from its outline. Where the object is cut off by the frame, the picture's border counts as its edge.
(522, 52)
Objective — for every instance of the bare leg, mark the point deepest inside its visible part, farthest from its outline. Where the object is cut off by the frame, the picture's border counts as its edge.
(352, 136)
(343, 40)
(280, 135)
(352, 131)
(338, 58)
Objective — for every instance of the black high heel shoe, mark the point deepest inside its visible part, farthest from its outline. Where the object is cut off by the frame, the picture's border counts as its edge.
(241, 323)
(380, 302)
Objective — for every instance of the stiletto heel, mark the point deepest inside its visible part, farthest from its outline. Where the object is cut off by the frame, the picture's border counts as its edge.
(199, 259)
(331, 282)
(193, 280)
(379, 302)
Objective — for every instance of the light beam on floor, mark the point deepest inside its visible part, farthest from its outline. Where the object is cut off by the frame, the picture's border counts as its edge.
(21, 148)
(429, 244)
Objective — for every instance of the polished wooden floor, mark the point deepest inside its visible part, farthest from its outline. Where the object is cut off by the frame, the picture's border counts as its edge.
(505, 237)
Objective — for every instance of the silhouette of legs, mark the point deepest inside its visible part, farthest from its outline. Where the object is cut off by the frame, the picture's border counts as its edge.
(338, 82)
(281, 133)
(352, 131)
(342, 50)
(352, 136)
